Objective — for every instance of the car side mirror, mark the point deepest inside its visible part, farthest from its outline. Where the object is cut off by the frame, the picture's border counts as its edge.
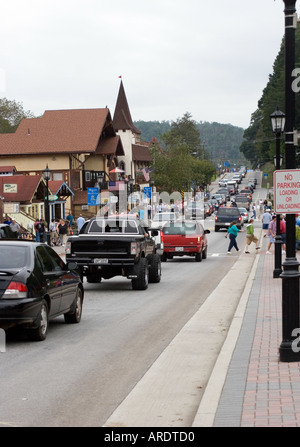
(207, 231)
(72, 265)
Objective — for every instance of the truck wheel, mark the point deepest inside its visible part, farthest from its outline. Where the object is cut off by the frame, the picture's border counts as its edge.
(93, 278)
(155, 269)
(164, 257)
(141, 282)
(198, 257)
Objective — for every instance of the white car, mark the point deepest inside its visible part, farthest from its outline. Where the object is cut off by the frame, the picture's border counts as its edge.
(160, 219)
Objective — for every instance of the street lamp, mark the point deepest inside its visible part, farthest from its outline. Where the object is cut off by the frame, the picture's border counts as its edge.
(290, 276)
(47, 176)
(278, 123)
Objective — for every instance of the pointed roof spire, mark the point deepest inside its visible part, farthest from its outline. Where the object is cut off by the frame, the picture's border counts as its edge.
(122, 118)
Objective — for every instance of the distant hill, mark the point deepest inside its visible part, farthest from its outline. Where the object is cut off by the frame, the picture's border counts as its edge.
(221, 141)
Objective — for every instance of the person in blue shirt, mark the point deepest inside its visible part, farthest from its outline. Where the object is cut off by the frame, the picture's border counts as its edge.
(233, 232)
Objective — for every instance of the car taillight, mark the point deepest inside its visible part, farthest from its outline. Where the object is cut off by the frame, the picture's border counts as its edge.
(133, 248)
(240, 218)
(161, 237)
(216, 218)
(15, 290)
(199, 239)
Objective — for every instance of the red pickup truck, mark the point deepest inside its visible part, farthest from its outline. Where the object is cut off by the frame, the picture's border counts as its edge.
(184, 238)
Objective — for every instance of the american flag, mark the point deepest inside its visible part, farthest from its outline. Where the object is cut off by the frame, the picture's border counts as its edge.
(145, 171)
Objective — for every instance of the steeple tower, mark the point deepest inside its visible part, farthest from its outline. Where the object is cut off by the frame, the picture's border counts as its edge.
(122, 120)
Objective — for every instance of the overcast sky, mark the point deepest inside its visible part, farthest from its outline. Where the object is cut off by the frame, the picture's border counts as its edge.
(211, 58)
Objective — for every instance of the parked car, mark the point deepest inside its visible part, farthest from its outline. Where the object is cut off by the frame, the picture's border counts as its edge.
(160, 219)
(185, 238)
(211, 205)
(225, 215)
(36, 285)
(244, 214)
(5, 232)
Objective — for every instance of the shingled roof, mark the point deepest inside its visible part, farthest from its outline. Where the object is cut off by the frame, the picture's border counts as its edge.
(26, 187)
(122, 117)
(141, 152)
(63, 131)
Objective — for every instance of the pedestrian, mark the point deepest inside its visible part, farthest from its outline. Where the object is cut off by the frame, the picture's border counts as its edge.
(233, 232)
(266, 219)
(15, 228)
(41, 229)
(62, 228)
(271, 233)
(80, 222)
(250, 237)
(37, 236)
(283, 233)
(53, 233)
(253, 211)
(69, 222)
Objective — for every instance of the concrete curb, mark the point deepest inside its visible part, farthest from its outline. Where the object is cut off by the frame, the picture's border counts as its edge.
(171, 391)
(210, 400)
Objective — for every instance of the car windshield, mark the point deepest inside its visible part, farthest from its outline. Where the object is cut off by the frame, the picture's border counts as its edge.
(114, 226)
(12, 256)
(181, 228)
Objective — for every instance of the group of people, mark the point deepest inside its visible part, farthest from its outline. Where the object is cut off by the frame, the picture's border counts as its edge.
(269, 227)
(233, 231)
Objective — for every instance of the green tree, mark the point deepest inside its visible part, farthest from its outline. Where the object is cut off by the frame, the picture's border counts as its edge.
(178, 166)
(259, 145)
(11, 114)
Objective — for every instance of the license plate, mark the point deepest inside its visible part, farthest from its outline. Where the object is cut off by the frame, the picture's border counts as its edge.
(100, 261)
(178, 248)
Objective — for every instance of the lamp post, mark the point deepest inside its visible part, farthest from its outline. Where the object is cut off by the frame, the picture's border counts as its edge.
(100, 181)
(47, 176)
(290, 274)
(278, 123)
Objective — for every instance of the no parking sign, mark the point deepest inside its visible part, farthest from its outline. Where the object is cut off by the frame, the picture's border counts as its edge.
(287, 191)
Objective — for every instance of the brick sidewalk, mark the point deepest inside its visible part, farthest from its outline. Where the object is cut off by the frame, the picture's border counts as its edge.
(261, 391)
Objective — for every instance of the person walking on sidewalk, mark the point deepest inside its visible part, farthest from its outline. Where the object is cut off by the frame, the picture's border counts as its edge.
(233, 232)
(266, 219)
(271, 233)
(250, 237)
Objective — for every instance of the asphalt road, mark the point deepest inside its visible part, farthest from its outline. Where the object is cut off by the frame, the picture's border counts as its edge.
(81, 373)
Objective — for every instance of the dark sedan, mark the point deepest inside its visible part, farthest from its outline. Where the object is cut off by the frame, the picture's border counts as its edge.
(36, 285)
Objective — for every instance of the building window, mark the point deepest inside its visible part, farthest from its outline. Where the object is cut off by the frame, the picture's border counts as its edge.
(58, 176)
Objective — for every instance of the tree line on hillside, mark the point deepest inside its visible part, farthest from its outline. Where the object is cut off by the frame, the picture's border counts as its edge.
(220, 142)
(259, 145)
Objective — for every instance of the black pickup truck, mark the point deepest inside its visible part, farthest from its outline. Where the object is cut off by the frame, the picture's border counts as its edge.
(116, 246)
